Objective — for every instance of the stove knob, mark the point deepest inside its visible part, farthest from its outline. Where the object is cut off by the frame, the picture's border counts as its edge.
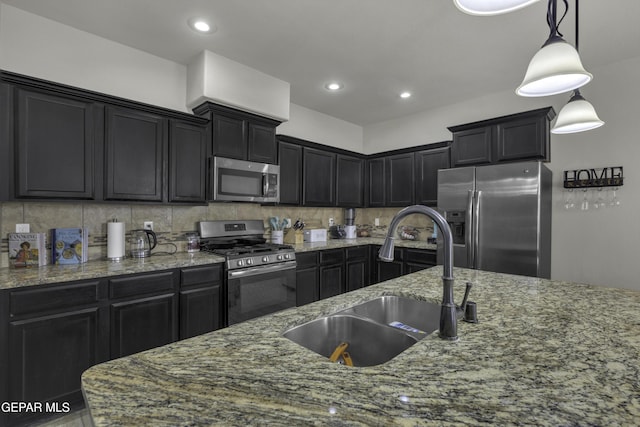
(265, 259)
(240, 263)
(249, 261)
(287, 256)
(279, 257)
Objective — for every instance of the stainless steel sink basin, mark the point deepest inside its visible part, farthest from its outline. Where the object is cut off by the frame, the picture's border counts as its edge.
(369, 343)
(421, 315)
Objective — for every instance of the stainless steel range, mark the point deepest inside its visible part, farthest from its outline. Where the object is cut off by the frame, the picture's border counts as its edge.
(261, 276)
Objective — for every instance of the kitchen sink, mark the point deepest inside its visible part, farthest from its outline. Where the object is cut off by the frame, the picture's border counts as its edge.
(418, 318)
(373, 332)
(368, 343)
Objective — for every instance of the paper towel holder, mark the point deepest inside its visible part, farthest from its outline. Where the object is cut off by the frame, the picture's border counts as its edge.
(115, 242)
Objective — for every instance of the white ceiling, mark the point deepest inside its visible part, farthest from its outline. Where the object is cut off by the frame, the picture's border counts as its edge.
(376, 48)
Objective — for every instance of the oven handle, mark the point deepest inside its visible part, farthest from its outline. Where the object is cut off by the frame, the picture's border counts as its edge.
(248, 272)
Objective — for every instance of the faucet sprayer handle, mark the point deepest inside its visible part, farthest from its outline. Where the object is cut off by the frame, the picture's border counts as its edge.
(463, 306)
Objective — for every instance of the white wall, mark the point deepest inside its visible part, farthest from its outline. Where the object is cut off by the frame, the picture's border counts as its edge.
(321, 128)
(39, 47)
(46, 49)
(597, 247)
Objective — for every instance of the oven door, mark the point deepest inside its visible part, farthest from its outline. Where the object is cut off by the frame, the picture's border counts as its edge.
(257, 291)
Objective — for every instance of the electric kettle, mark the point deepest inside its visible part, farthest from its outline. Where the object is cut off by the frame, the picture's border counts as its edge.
(141, 243)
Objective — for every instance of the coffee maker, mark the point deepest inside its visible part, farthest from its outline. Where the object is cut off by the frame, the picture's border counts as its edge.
(350, 223)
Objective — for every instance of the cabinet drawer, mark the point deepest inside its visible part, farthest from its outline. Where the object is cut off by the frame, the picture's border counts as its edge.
(307, 259)
(331, 256)
(54, 298)
(357, 252)
(421, 256)
(199, 275)
(141, 284)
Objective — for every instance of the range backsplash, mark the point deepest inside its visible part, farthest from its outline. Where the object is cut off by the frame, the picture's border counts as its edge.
(172, 222)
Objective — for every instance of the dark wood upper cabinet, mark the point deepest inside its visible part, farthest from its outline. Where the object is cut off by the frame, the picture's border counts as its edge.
(290, 156)
(6, 131)
(55, 139)
(187, 162)
(426, 172)
(517, 137)
(135, 147)
(349, 181)
(376, 189)
(400, 180)
(319, 180)
(261, 142)
(472, 147)
(240, 135)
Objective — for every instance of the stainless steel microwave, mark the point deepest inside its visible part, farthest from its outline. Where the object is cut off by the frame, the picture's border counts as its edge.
(241, 181)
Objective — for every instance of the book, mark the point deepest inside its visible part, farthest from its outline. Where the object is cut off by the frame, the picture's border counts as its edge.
(27, 249)
(69, 245)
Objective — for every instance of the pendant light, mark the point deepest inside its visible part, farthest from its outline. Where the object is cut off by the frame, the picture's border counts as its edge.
(491, 7)
(578, 115)
(556, 67)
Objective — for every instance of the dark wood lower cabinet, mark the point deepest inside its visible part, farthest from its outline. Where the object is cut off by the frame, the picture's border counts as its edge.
(201, 300)
(357, 267)
(142, 324)
(307, 280)
(48, 355)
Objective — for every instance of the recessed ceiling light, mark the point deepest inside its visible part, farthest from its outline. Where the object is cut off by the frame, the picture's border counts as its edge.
(405, 95)
(202, 26)
(333, 86)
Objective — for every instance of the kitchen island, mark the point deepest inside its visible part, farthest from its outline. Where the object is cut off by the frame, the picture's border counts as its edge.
(544, 353)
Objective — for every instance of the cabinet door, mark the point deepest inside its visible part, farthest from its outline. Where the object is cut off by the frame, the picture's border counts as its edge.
(349, 181)
(54, 146)
(427, 164)
(319, 177)
(141, 324)
(229, 137)
(187, 162)
(472, 147)
(522, 139)
(6, 112)
(135, 148)
(262, 144)
(307, 285)
(357, 276)
(400, 180)
(290, 156)
(376, 183)
(48, 355)
(331, 280)
(200, 311)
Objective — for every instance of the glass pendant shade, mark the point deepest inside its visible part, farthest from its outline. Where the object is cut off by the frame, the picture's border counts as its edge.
(555, 68)
(491, 7)
(577, 116)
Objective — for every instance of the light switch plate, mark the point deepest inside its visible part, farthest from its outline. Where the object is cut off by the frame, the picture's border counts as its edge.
(22, 228)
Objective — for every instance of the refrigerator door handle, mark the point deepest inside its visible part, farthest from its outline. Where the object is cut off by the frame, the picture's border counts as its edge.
(469, 229)
(476, 230)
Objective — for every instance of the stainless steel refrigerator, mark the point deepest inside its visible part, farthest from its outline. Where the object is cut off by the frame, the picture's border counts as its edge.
(500, 217)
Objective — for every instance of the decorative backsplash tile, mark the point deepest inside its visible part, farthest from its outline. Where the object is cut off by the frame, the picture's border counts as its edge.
(172, 222)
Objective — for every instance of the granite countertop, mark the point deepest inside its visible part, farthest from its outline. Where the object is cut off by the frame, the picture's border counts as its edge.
(544, 353)
(13, 278)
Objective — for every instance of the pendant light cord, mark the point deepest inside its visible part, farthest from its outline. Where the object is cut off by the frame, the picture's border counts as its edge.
(552, 13)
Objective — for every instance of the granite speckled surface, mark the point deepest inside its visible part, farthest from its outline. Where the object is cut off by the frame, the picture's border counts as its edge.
(11, 278)
(545, 353)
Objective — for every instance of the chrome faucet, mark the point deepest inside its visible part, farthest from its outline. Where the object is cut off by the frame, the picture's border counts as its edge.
(448, 310)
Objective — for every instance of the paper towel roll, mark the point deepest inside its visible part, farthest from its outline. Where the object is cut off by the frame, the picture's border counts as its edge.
(115, 241)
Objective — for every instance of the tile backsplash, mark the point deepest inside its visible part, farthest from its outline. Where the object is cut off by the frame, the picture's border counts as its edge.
(172, 222)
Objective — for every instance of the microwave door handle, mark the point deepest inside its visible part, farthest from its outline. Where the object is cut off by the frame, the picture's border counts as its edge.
(265, 184)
